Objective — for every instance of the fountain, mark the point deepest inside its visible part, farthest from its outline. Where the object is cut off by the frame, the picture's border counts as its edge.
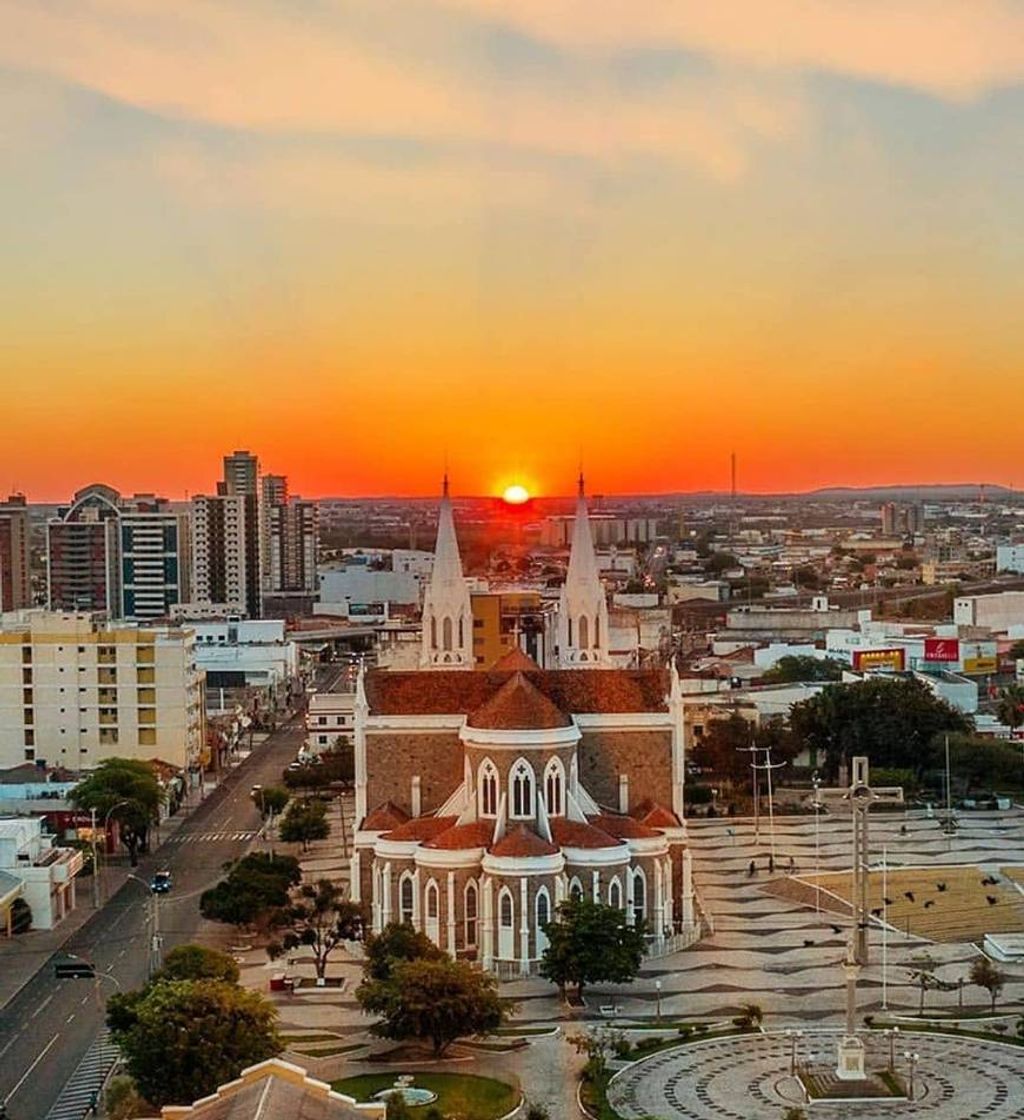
(404, 1088)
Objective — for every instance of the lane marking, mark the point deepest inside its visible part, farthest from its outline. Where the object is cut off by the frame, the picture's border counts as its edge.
(8, 1046)
(39, 1057)
(70, 1017)
(39, 1009)
(85, 1000)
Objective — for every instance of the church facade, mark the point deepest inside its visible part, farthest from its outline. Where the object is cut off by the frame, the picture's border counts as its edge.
(486, 798)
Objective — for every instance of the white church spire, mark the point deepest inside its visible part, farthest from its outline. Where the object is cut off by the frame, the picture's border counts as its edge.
(447, 611)
(582, 609)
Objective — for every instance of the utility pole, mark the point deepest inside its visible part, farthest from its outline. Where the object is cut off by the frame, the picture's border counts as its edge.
(95, 863)
(155, 938)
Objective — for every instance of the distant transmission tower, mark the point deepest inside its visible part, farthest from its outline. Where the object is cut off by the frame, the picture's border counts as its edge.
(732, 503)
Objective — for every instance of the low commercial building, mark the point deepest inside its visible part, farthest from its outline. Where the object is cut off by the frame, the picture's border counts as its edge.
(246, 653)
(74, 690)
(46, 874)
(330, 716)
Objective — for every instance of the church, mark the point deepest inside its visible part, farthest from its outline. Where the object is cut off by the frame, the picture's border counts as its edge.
(484, 798)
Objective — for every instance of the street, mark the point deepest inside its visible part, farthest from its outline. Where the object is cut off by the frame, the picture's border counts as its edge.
(47, 1028)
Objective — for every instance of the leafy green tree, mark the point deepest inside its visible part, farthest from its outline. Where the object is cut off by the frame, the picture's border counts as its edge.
(590, 943)
(270, 799)
(433, 1000)
(1011, 705)
(892, 721)
(256, 886)
(397, 942)
(1017, 651)
(305, 820)
(977, 762)
(183, 1038)
(800, 667)
(336, 765)
(197, 962)
(127, 789)
(321, 918)
(984, 974)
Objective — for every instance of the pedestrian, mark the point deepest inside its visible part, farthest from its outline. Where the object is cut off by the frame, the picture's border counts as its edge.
(792, 865)
(771, 865)
(94, 1102)
(752, 869)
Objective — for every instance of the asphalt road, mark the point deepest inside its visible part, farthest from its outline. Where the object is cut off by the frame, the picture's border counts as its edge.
(47, 1028)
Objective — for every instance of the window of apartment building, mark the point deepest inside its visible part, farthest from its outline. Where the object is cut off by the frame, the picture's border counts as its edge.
(147, 736)
(322, 721)
(26, 655)
(29, 716)
(26, 676)
(30, 754)
(26, 695)
(30, 737)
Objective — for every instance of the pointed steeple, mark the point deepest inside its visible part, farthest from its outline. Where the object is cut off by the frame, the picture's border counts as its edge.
(582, 609)
(447, 610)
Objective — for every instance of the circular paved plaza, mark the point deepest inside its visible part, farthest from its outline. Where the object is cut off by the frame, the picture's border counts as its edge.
(748, 1078)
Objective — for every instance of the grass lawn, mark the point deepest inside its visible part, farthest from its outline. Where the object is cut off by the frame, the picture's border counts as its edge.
(960, 912)
(458, 1094)
(328, 1051)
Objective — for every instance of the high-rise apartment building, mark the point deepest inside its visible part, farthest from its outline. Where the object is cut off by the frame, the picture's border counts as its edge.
(74, 691)
(289, 535)
(154, 544)
(15, 581)
(242, 479)
(221, 574)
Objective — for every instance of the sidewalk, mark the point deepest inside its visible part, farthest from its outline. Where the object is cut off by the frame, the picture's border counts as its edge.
(23, 956)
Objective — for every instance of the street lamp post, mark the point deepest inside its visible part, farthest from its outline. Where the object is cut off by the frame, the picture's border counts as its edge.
(893, 1036)
(912, 1060)
(657, 990)
(816, 805)
(794, 1037)
(155, 939)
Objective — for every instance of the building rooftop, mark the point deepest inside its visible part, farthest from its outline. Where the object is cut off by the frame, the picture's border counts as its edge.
(522, 842)
(518, 705)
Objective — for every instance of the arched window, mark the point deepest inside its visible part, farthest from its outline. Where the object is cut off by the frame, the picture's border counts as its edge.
(543, 917)
(471, 904)
(446, 633)
(554, 787)
(433, 632)
(597, 631)
(575, 889)
(406, 908)
(488, 789)
(506, 926)
(461, 639)
(521, 783)
(568, 623)
(431, 899)
(639, 896)
(584, 632)
(431, 922)
(615, 893)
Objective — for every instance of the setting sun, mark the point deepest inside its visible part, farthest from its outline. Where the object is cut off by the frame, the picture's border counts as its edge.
(516, 495)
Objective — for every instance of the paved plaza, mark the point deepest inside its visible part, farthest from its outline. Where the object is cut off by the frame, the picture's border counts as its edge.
(748, 1078)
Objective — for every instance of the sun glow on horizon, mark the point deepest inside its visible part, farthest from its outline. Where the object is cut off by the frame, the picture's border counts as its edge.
(516, 495)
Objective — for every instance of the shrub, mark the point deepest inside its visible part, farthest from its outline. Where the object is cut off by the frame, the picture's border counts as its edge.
(622, 1048)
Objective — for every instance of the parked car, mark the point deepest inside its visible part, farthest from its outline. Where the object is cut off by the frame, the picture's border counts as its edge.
(161, 882)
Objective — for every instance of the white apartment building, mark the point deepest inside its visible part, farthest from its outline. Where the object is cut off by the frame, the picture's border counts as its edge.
(1010, 558)
(154, 562)
(220, 552)
(74, 691)
(45, 875)
(329, 715)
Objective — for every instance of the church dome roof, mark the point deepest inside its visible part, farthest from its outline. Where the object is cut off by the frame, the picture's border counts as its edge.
(421, 828)
(576, 834)
(624, 828)
(521, 842)
(515, 661)
(387, 815)
(476, 834)
(518, 706)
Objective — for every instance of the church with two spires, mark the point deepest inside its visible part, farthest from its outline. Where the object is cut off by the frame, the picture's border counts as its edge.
(484, 798)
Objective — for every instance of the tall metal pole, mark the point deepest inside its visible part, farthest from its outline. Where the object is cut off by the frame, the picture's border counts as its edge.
(817, 844)
(95, 862)
(885, 928)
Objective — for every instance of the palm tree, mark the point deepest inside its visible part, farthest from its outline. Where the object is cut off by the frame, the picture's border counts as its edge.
(1011, 705)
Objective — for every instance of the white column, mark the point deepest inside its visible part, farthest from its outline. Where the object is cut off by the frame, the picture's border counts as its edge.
(524, 928)
(375, 897)
(630, 916)
(386, 893)
(669, 898)
(623, 793)
(560, 890)
(354, 877)
(596, 881)
(659, 903)
(416, 796)
(451, 913)
(417, 901)
(688, 916)
(487, 922)
(359, 752)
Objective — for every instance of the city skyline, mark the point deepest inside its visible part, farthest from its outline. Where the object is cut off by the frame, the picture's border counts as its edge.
(517, 234)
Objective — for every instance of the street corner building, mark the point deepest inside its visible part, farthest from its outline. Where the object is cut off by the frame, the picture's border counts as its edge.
(487, 797)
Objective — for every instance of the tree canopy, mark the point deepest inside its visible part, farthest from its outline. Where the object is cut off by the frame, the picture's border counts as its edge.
(254, 887)
(985, 974)
(127, 789)
(801, 667)
(270, 799)
(1011, 705)
(319, 917)
(197, 962)
(183, 1038)
(893, 721)
(436, 1000)
(305, 820)
(591, 943)
(397, 942)
(724, 747)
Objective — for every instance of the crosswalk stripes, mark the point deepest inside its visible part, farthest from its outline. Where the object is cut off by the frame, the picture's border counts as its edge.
(201, 837)
(88, 1079)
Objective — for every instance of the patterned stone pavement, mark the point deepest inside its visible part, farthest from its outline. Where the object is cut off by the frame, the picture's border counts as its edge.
(748, 1078)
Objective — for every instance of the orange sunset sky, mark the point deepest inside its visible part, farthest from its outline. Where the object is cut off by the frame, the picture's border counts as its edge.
(356, 237)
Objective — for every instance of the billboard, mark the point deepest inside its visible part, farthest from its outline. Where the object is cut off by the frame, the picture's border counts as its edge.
(894, 659)
(942, 649)
(973, 665)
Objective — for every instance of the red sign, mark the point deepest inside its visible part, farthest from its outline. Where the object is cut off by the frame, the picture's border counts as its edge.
(892, 659)
(942, 649)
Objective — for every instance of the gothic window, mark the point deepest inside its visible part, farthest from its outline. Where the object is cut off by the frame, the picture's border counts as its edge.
(639, 896)
(506, 926)
(471, 904)
(431, 923)
(575, 889)
(433, 633)
(432, 899)
(461, 639)
(405, 899)
(543, 917)
(446, 633)
(554, 787)
(521, 782)
(584, 632)
(568, 622)
(488, 786)
(597, 632)
(615, 893)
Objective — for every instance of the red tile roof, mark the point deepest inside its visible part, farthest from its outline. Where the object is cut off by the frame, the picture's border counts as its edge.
(386, 815)
(421, 828)
(460, 692)
(625, 828)
(574, 834)
(513, 660)
(655, 815)
(518, 705)
(521, 841)
(477, 834)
